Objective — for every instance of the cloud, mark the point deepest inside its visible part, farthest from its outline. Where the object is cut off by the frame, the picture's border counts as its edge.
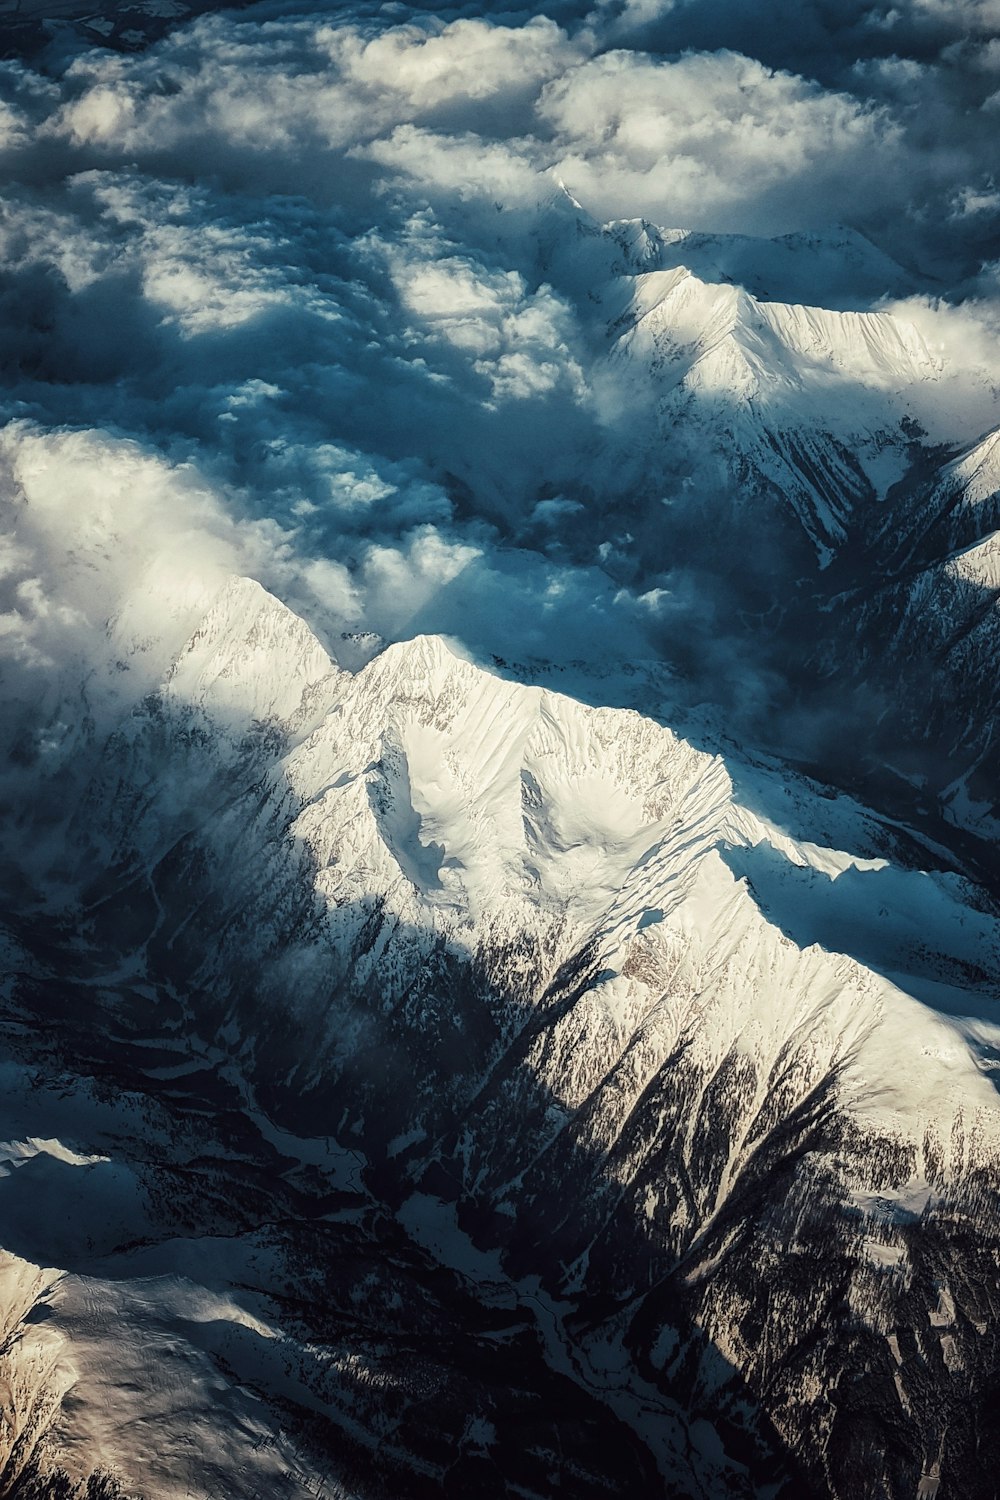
(425, 69)
(713, 140)
(301, 295)
(516, 339)
(90, 522)
(724, 122)
(274, 85)
(459, 167)
(963, 340)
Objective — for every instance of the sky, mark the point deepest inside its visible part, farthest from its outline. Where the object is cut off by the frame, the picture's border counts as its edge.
(320, 294)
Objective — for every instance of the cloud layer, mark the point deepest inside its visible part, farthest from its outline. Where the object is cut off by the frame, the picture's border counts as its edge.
(332, 266)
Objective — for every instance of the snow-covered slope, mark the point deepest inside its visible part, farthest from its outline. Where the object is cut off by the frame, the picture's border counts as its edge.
(848, 267)
(774, 389)
(483, 809)
(819, 493)
(391, 1053)
(422, 942)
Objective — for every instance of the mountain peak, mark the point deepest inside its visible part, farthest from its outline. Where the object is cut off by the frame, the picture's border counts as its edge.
(250, 659)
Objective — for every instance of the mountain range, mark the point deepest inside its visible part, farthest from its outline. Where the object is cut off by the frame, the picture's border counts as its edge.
(435, 1068)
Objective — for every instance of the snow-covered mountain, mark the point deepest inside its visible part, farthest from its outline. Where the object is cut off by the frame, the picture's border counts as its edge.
(499, 898)
(434, 1066)
(420, 1078)
(833, 483)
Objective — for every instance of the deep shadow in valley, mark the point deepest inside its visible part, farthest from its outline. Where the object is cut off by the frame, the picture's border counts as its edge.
(414, 1074)
(624, 1271)
(873, 676)
(446, 1375)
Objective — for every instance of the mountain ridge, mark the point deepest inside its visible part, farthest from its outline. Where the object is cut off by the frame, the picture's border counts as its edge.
(662, 1080)
(399, 875)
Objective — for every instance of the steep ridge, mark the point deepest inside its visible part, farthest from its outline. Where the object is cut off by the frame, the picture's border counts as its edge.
(916, 629)
(463, 981)
(776, 387)
(842, 412)
(786, 269)
(824, 471)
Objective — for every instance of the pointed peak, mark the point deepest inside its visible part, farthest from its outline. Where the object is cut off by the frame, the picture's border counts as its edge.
(564, 193)
(251, 657)
(238, 597)
(437, 652)
(562, 202)
(243, 605)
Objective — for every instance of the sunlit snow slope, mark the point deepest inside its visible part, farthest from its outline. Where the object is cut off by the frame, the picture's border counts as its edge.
(422, 1048)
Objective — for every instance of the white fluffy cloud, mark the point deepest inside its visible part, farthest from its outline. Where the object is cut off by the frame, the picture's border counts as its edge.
(321, 268)
(274, 85)
(424, 69)
(515, 339)
(716, 140)
(469, 111)
(91, 523)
